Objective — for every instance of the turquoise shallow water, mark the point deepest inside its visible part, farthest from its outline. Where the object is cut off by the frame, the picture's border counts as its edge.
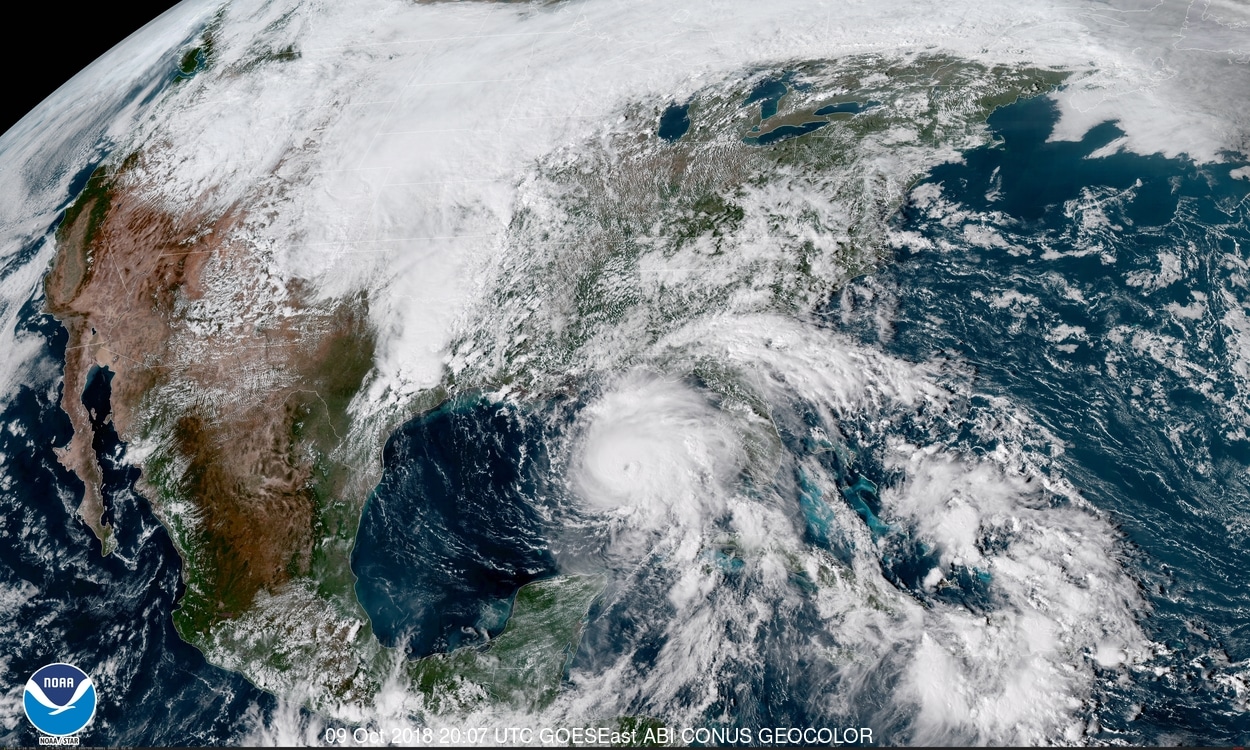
(1097, 292)
(1103, 293)
(452, 530)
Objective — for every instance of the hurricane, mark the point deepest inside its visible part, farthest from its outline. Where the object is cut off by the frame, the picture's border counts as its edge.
(582, 373)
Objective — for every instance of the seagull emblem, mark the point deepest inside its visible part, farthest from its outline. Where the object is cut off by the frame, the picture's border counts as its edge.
(37, 693)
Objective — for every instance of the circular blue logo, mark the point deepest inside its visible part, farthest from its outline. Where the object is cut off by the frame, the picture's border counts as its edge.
(60, 699)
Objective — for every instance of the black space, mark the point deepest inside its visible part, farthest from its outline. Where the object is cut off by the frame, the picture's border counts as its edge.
(44, 44)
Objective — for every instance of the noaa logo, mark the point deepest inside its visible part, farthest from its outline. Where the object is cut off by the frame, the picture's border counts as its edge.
(60, 699)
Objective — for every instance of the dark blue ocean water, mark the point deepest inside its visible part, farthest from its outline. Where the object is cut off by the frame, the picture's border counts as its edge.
(64, 601)
(452, 530)
(108, 615)
(1105, 302)
(1099, 292)
(1142, 259)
